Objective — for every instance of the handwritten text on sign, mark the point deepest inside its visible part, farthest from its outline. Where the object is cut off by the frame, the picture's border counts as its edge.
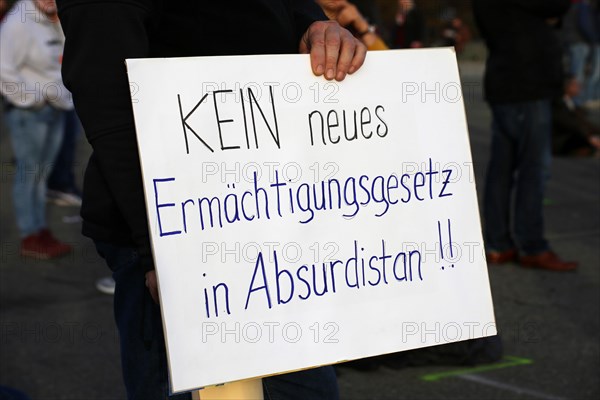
(297, 222)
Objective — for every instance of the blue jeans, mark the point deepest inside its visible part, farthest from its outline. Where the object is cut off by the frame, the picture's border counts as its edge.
(519, 166)
(578, 55)
(591, 90)
(62, 177)
(143, 355)
(36, 136)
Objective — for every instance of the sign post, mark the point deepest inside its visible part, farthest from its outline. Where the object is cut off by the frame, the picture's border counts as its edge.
(250, 389)
(297, 222)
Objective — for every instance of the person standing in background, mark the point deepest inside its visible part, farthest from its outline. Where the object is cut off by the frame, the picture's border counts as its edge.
(573, 132)
(581, 37)
(31, 47)
(593, 86)
(455, 33)
(409, 29)
(523, 74)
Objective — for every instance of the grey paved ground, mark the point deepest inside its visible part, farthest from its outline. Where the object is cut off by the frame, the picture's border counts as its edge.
(58, 341)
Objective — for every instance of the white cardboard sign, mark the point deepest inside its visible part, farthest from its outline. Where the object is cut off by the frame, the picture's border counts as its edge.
(297, 222)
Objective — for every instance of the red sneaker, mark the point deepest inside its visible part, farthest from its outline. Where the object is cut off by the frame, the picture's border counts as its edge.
(43, 246)
(31, 246)
(55, 247)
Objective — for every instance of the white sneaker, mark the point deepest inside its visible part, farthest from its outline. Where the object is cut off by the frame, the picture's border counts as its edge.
(106, 285)
(63, 198)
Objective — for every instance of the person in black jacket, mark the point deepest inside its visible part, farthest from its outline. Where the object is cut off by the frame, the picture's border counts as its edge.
(523, 73)
(100, 35)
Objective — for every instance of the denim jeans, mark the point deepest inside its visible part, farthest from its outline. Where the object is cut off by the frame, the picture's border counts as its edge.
(519, 166)
(578, 55)
(36, 136)
(591, 90)
(62, 177)
(143, 355)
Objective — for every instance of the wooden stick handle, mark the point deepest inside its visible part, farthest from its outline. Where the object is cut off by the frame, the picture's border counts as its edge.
(250, 389)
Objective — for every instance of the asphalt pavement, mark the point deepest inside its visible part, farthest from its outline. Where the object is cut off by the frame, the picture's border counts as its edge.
(58, 338)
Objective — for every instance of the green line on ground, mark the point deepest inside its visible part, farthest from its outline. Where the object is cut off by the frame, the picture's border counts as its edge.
(506, 362)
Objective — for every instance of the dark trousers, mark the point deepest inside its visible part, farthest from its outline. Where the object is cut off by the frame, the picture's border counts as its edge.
(62, 177)
(518, 169)
(143, 355)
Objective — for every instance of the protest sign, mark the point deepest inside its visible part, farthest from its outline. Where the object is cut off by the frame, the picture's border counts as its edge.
(297, 222)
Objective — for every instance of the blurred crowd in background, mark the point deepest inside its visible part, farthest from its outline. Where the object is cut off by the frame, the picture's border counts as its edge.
(399, 24)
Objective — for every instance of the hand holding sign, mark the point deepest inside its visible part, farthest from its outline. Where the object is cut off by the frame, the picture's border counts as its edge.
(152, 285)
(334, 51)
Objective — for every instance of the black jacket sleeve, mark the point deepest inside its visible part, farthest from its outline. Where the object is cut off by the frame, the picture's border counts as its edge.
(99, 37)
(305, 13)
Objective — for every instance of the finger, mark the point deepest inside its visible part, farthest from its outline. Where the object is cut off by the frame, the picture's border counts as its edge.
(345, 57)
(360, 53)
(154, 294)
(304, 43)
(152, 285)
(316, 45)
(332, 49)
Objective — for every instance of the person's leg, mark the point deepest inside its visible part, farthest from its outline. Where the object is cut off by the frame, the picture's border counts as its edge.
(62, 178)
(592, 87)
(143, 354)
(53, 123)
(533, 164)
(315, 384)
(578, 53)
(28, 134)
(138, 319)
(499, 179)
